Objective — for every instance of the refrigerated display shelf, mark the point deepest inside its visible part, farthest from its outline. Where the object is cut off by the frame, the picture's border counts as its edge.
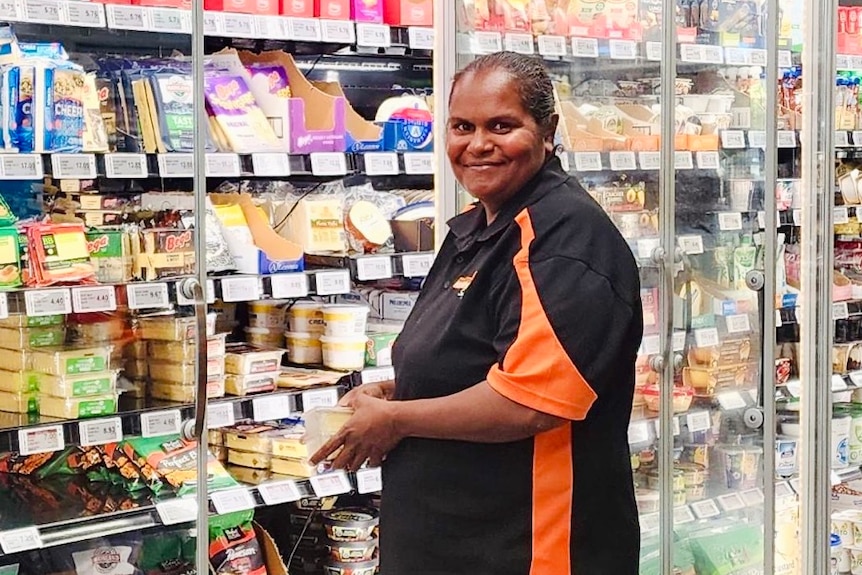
(631, 161)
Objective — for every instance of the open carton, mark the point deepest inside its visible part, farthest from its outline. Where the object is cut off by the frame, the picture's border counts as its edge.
(272, 557)
(361, 135)
(587, 134)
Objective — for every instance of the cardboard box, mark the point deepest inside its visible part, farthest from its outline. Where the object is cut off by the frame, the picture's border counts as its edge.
(271, 554)
(409, 12)
(367, 11)
(332, 9)
(257, 7)
(297, 8)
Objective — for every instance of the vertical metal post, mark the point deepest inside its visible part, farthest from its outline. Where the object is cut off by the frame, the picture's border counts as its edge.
(445, 66)
(818, 177)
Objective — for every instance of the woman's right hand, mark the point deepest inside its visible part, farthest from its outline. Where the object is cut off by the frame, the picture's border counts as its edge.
(380, 390)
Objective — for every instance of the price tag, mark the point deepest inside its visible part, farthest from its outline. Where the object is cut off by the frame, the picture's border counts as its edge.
(707, 160)
(377, 374)
(623, 49)
(839, 310)
(740, 117)
(842, 62)
(797, 217)
(169, 20)
(786, 139)
(176, 165)
(43, 11)
(778, 321)
(147, 296)
(682, 515)
(638, 432)
(416, 265)
(292, 285)
(239, 25)
(757, 57)
(731, 400)
(126, 166)
(683, 161)
(4, 306)
(74, 166)
(373, 35)
(729, 221)
(279, 492)
(232, 500)
(40, 303)
(312, 398)
(691, 245)
(329, 164)
(381, 164)
(706, 337)
(100, 431)
(733, 139)
(646, 247)
(126, 17)
(22, 167)
(757, 139)
(160, 423)
(176, 511)
(519, 43)
(697, 422)
(487, 42)
(213, 23)
(588, 161)
(331, 484)
(736, 56)
(222, 166)
(650, 522)
(692, 53)
(650, 160)
(585, 47)
(840, 215)
(842, 139)
(752, 497)
(220, 415)
(675, 424)
(94, 299)
(305, 29)
(271, 27)
(705, 509)
(85, 14)
(341, 32)
(332, 283)
(654, 51)
(419, 163)
(373, 268)
(785, 59)
(857, 138)
(10, 11)
(738, 323)
(236, 289)
(678, 340)
(44, 439)
(271, 408)
(420, 38)
(369, 480)
(270, 164)
(552, 46)
(18, 540)
(712, 54)
(623, 161)
(731, 502)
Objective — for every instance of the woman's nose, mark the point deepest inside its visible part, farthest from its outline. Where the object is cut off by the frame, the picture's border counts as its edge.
(480, 143)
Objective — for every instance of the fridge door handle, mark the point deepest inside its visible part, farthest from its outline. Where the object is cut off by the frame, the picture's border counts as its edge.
(193, 290)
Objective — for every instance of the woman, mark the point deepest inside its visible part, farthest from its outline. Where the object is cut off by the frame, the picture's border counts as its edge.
(505, 431)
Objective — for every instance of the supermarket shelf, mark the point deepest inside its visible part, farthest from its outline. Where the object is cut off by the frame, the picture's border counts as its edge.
(216, 24)
(377, 267)
(628, 161)
(218, 165)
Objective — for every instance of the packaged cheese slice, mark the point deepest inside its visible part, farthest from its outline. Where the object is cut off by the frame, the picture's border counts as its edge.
(244, 125)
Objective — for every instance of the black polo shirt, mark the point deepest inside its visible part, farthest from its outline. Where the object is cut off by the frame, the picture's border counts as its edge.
(544, 304)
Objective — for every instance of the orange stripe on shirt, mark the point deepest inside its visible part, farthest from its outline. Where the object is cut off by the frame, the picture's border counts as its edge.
(537, 372)
(553, 483)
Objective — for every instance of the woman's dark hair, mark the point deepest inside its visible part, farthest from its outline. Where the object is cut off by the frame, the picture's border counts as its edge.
(530, 75)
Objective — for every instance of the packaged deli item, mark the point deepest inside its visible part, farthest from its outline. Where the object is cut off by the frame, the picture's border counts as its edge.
(183, 373)
(18, 381)
(359, 568)
(246, 359)
(167, 327)
(19, 402)
(321, 423)
(287, 443)
(81, 385)
(345, 353)
(268, 313)
(185, 351)
(248, 384)
(79, 407)
(70, 361)
(104, 560)
(250, 437)
(297, 377)
(292, 467)
(171, 391)
(19, 320)
(350, 524)
(305, 317)
(163, 253)
(97, 329)
(32, 337)
(59, 254)
(111, 254)
(248, 459)
(10, 258)
(304, 348)
(248, 475)
(351, 551)
(17, 360)
(234, 548)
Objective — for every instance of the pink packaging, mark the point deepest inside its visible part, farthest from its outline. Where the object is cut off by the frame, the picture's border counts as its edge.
(367, 11)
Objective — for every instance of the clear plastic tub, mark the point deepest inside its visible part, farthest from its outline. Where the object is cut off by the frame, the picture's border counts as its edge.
(32, 337)
(70, 361)
(304, 348)
(186, 351)
(344, 353)
(78, 408)
(252, 383)
(265, 336)
(345, 320)
(245, 359)
(83, 385)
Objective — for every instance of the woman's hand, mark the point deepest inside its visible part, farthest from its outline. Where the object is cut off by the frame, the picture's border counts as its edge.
(369, 434)
(381, 390)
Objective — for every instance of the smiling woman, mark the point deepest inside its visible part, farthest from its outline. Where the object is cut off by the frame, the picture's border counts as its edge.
(504, 435)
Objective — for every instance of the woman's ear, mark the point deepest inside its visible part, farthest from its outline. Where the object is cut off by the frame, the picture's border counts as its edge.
(551, 131)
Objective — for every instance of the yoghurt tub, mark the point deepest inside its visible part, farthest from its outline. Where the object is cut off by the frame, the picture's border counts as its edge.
(304, 348)
(267, 313)
(345, 320)
(344, 353)
(305, 317)
(264, 336)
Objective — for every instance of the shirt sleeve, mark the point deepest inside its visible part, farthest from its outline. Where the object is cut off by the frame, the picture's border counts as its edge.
(562, 333)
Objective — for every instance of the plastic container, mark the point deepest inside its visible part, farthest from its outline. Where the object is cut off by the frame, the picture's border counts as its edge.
(83, 385)
(245, 359)
(840, 439)
(345, 320)
(268, 313)
(321, 423)
(32, 337)
(834, 553)
(304, 348)
(78, 408)
(305, 317)
(252, 438)
(362, 568)
(350, 524)
(267, 337)
(351, 551)
(344, 353)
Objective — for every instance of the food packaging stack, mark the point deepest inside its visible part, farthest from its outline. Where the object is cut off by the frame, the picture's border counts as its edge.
(332, 335)
(75, 382)
(267, 449)
(251, 369)
(308, 535)
(19, 334)
(266, 322)
(351, 541)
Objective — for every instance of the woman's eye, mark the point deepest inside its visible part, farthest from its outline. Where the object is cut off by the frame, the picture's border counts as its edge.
(462, 127)
(501, 128)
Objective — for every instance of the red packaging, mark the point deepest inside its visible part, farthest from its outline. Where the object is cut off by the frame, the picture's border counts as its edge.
(258, 7)
(332, 9)
(297, 8)
(409, 12)
(58, 254)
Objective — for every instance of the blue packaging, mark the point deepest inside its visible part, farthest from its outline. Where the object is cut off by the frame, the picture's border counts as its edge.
(68, 110)
(22, 131)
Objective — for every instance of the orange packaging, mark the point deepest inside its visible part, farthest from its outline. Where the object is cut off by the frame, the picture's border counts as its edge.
(297, 8)
(59, 254)
(409, 12)
(332, 9)
(258, 7)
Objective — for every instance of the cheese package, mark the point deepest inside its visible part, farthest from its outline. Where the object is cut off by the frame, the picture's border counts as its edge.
(164, 253)
(169, 328)
(32, 337)
(183, 373)
(58, 253)
(171, 391)
(300, 378)
(21, 402)
(247, 475)
(292, 467)
(246, 359)
(253, 438)
(219, 452)
(15, 359)
(109, 329)
(253, 383)
(95, 137)
(70, 361)
(215, 437)
(186, 350)
(173, 94)
(288, 443)
(315, 222)
(368, 225)
(10, 258)
(321, 423)
(136, 368)
(16, 320)
(78, 408)
(83, 385)
(248, 459)
(110, 252)
(137, 388)
(138, 349)
(236, 113)
(18, 381)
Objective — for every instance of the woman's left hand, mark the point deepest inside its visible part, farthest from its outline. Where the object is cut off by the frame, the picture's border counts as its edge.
(369, 434)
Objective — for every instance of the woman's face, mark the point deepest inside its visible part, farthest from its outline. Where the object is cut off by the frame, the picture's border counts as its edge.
(494, 144)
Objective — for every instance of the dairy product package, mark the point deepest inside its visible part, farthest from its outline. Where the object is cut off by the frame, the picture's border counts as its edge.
(104, 560)
(19, 402)
(173, 99)
(58, 253)
(10, 258)
(71, 386)
(68, 103)
(79, 407)
(66, 361)
(164, 252)
(18, 381)
(32, 337)
(110, 253)
(95, 136)
(316, 223)
(232, 105)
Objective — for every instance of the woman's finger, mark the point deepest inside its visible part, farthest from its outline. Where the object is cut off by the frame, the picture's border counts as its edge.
(327, 448)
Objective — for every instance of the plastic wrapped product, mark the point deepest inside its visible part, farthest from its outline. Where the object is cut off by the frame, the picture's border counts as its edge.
(249, 437)
(136, 368)
(21, 402)
(183, 373)
(185, 351)
(234, 547)
(32, 337)
(288, 443)
(167, 328)
(18, 360)
(351, 551)
(58, 253)
(247, 384)
(351, 524)
(248, 459)
(18, 381)
(165, 253)
(78, 408)
(100, 332)
(249, 475)
(70, 361)
(110, 251)
(295, 377)
(321, 423)
(83, 385)
(104, 560)
(18, 320)
(10, 257)
(245, 359)
(292, 467)
(171, 391)
(360, 568)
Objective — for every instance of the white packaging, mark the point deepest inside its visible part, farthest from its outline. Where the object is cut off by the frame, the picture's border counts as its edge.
(396, 306)
(840, 440)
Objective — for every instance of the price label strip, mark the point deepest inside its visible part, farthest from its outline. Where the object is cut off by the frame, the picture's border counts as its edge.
(100, 431)
(271, 408)
(588, 161)
(420, 38)
(73, 166)
(94, 299)
(520, 43)
(232, 500)
(706, 337)
(653, 51)
(220, 415)
(419, 163)
(729, 221)
(699, 421)
(381, 164)
(319, 398)
(373, 268)
(170, 21)
(840, 215)
(4, 306)
(650, 160)
(338, 31)
(707, 160)
(638, 432)
(176, 511)
(126, 166)
(271, 27)
(328, 164)
(487, 42)
(278, 492)
(240, 289)
(417, 265)
(305, 29)
(330, 484)
(585, 47)
(752, 497)
(678, 340)
(683, 515)
(623, 49)
(691, 245)
(239, 25)
(650, 345)
(271, 164)
(683, 160)
(161, 423)
(369, 480)
(19, 540)
(176, 165)
(738, 323)
(552, 46)
(10, 11)
(292, 285)
(222, 166)
(840, 310)
(623, 161)
(43, 11)
(40, 303)
(705, 509)
(731, 400)
(213, 23)
(126, 17)
(842, 139)
(332, 283)
(733, 139)
(148, 296)
(45, 439)
(373, 35)
(22, 167)
(786, 139)
(85, 14)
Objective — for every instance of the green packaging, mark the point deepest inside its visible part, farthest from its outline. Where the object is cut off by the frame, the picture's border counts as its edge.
(10, 258)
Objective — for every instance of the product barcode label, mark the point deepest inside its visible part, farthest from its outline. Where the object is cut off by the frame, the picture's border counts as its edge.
(176, 165)
(319, 398)
(43, 11)
(713, 54)
(278, 492)
(222, 165)
(377, 374)
(271, 408)
(373, 268)
(94, 299)
(857, 138)
(729, 221)
(706, 337)
(239, 25)
(736, 56)
(552, 46)
(289, 285)
(147, 296)
(705, 509)
(170, 20)
(338, 31)
(840, 215)
(232, 500)
(623, 161)
(623, 49)
(419, 163)
(38, 303)
(369, 480)
(487, 42)
(271, 164)
(176, 511)
(381, 164)
(45, 439)
(420, 38)
(588, 161)
(650, 160)
(271, 27)
(650, 522)
(738, 323)
(160, 423)
(519, 43)
(240, 289)
(220, 415)
(22, 167)
(100, 431)
(691, 245)
(126, 17)
(85, 14)
(373, 35)
(731, 400)
(330, 484)
(698, 422)
(126, 166)
(585, 47)
(19, 540)
(328, 164)
(73, 166)
(332, 283)
(785, 58)
(733, 139)
(782, 488)
(304, 29)
(683, 161)
(417, 265)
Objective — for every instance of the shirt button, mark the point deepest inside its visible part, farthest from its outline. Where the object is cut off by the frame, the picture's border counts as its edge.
(459, 260)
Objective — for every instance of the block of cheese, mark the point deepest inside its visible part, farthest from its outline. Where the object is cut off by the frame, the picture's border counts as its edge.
(100, 332)
(78, 407)
(170, 391)
(247, 475)
(321, 423)
(254, 383)
(300, 377)
(315, 223)
(368, 225)
(215, 437)
(183, 373)
(16, 320)
(70, 361)
(292, 467)
(136, 349)
(27, 402)
(246, 359)
(18, 381)
(32, 337)
(219, 452)
(288, 443)
(82, 385)
(15, 359)
(166, 328)
(248, 459)
(185, 351)
(249, 437)
(137, 368)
